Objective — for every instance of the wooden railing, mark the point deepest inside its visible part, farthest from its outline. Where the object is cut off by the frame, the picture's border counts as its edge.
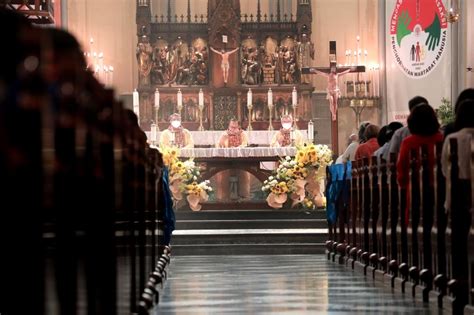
(408, 240)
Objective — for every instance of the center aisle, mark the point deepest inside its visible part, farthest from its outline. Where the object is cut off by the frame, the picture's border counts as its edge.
(273, 284)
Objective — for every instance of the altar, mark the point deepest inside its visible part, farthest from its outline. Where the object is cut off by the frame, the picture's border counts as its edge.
(209, 138)
(235, 165)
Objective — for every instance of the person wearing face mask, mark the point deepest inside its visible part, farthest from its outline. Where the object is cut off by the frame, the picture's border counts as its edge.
(233, 137)
(233, 184)
(176, 135)
(287, 135)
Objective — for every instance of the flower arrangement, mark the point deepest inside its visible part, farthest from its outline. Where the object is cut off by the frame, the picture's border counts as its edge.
(183, 178)
(297, 179)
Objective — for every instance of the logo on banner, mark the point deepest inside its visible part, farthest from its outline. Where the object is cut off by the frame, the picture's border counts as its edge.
(418, 33)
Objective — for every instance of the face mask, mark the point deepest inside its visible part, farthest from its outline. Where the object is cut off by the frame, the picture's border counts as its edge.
(286, 125)
(176, 123)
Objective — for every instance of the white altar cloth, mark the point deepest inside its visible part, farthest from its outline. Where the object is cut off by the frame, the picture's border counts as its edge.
(211, 137)
(238, 152)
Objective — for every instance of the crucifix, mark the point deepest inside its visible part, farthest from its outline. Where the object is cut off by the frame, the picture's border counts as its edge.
(332, 73)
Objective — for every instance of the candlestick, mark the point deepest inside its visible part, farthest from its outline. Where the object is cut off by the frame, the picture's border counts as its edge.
(157, 108)
(201, 98)
(294, 97)
(249, 107)
(153, 133)
(180, 101)
(136, 104)
(310, 131)
(201, 107)
(270, 108)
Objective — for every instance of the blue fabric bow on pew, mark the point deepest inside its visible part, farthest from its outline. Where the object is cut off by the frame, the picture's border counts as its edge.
(337, 187)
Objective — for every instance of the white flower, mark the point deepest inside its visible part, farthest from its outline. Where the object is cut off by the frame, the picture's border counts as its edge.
(288, 158)
(271, 178)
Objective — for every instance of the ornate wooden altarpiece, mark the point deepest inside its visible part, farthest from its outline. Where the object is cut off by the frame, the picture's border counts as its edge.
(173, 53)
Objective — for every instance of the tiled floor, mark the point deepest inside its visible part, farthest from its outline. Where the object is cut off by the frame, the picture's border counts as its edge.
(290, 284)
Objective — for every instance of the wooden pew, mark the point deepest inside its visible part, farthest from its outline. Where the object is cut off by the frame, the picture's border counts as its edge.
(438, 234)
(393, 225)
(402, 242)
(363, 252)
(469, 309)
(426, 264)
(353, 248)
(459, 223)
(382, 223)
(374, 216)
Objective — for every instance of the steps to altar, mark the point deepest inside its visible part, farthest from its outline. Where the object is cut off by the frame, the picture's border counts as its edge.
(249, 232)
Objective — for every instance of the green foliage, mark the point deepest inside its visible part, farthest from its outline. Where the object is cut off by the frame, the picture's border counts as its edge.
(445, 112)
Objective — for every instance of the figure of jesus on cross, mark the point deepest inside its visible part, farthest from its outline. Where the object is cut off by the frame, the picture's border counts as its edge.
(225, 61)
(333, 89)
(333, 93)
(332, 74)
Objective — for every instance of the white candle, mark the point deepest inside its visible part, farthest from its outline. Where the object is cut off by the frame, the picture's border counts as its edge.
(201, 98)
(157, 99)
(310, 131)
(153, 132)
(180, 99)
(270, 97)
(249, 97)
(294, 97)
(136, 104)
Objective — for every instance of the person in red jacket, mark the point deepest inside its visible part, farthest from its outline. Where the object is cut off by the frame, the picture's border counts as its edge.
(367, 149)
(424, 129)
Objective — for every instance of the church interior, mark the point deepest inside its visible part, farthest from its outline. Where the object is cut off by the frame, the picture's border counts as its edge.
(237, 157)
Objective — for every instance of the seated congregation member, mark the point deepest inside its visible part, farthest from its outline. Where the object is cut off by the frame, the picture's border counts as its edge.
(424, 129)
(349, 153)
(233, 137)
(404, 132)
(287, 135)
(464, 122)
(385, 137)
(366, 149)
(176, 135)
(464, 95)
